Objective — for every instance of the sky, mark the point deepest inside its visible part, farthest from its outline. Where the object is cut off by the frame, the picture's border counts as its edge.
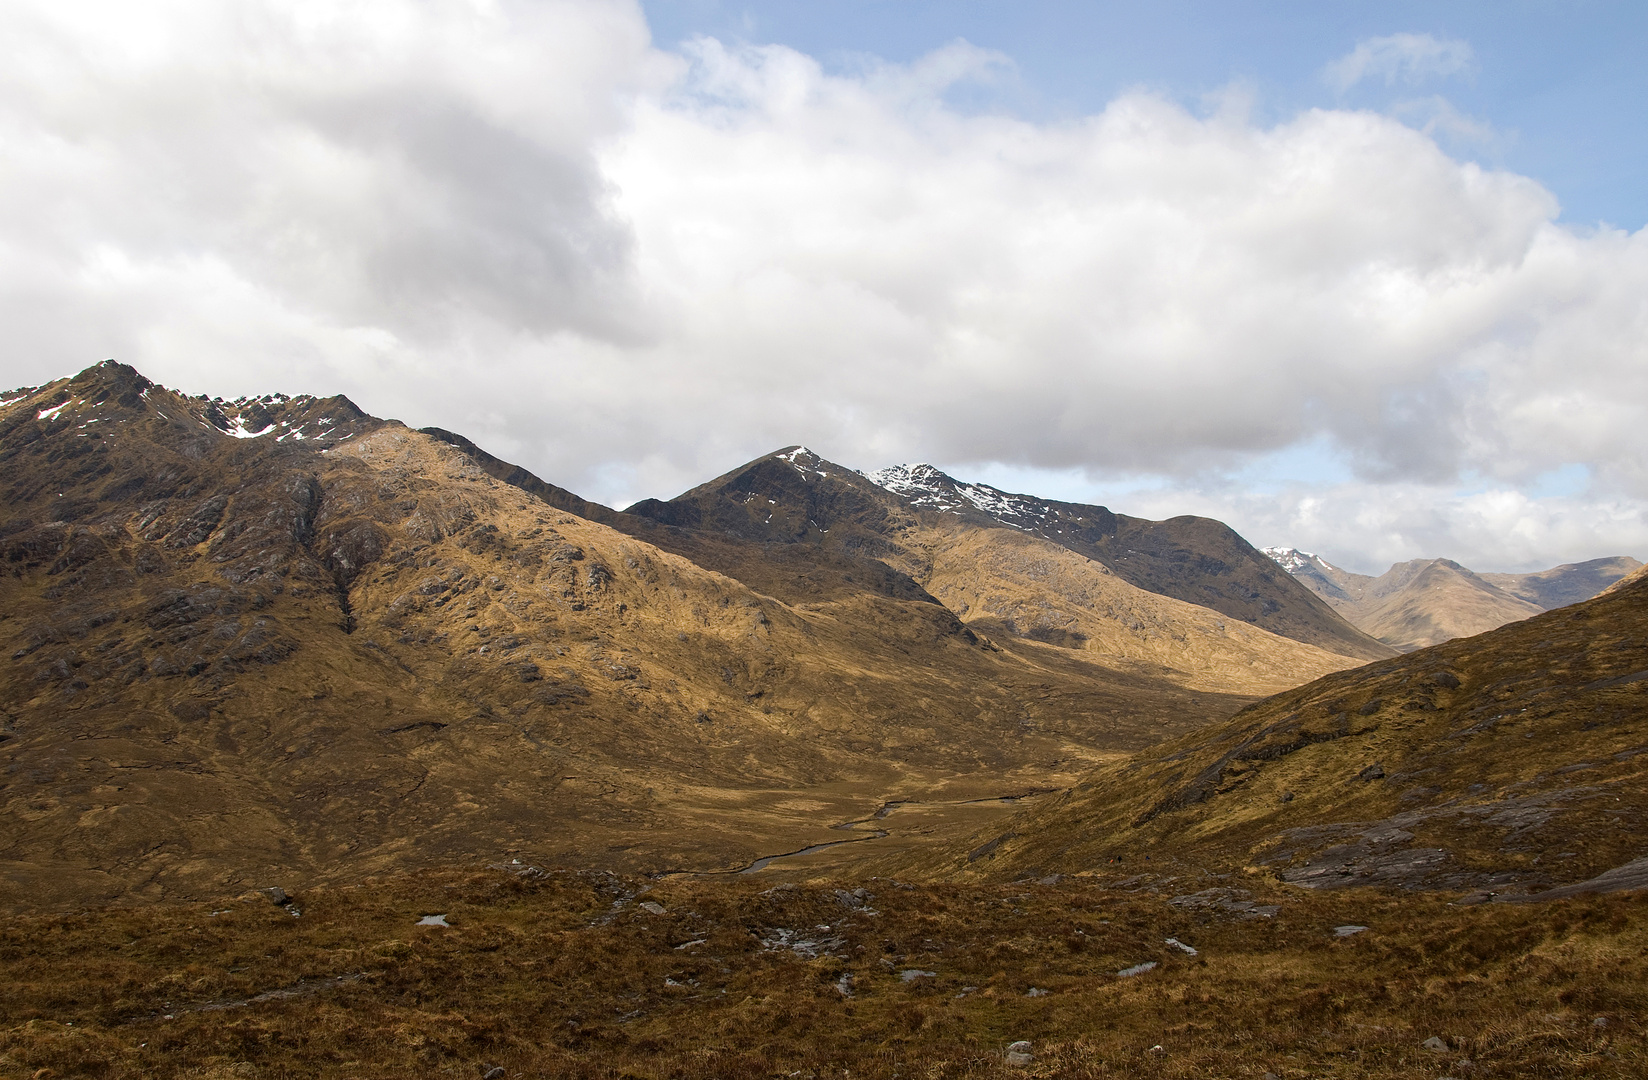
(1365, 279)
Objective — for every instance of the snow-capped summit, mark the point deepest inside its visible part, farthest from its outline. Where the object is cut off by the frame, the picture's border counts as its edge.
(920, 483)
(1294, 560)
(804, 461)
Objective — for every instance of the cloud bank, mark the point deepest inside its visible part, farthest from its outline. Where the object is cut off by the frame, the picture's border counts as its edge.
(630, 269)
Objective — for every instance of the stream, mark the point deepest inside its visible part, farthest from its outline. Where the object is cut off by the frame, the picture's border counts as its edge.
(865, 827)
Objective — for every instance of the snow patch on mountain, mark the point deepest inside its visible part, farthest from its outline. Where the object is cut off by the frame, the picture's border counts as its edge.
(921, 484)
(1295, 561)
(803, 461)
(931, 489)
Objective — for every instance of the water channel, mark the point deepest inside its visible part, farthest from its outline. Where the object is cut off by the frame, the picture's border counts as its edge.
(867, 829)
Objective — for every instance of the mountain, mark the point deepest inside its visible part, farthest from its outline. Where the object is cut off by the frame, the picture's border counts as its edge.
(1198, 560)
(1428, 601)
(913, 517)
(1566, 584)
(281, 637)
(1510, 762)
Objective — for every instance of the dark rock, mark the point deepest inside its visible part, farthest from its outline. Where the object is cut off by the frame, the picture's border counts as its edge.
(1376, 771)
(989, 847)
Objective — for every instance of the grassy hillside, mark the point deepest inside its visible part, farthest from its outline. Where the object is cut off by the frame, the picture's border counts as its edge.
(1509, 762)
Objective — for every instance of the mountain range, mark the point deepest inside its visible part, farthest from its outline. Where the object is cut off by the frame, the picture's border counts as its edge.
(279, 636)
(1428, 601)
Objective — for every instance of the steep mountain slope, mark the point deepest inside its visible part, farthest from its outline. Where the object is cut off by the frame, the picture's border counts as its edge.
(1566, 584)
(1197, 560)
(1002, 580)
(1426, 601)
(1509, 761)
(278, 636)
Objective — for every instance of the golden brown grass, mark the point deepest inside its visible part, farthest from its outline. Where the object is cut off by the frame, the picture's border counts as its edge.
(1517, 753)
(568, 975)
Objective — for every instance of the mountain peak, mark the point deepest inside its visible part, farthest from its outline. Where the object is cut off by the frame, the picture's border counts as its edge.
(1293, 560)
(807, 463)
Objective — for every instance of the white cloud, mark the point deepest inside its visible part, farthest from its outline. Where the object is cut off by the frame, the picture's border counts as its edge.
(1405, 58)
(630, 270)
(1368, 527)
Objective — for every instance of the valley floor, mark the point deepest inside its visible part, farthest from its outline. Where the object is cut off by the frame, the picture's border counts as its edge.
(587, 974)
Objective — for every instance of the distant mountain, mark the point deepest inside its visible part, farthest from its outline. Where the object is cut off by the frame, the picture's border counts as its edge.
(1566, 584)
(1428, 601)
(1056, 572)
(1196, 560)
(1508, 762)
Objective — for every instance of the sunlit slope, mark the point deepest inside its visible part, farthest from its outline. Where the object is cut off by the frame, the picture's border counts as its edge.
(1427, 602)
(1513, 761)
(996, 577)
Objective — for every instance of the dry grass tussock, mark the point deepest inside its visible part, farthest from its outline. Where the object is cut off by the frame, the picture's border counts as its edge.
(572, 974)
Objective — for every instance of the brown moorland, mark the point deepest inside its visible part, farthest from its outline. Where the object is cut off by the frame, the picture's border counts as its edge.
(581, 974)
(228, 654)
